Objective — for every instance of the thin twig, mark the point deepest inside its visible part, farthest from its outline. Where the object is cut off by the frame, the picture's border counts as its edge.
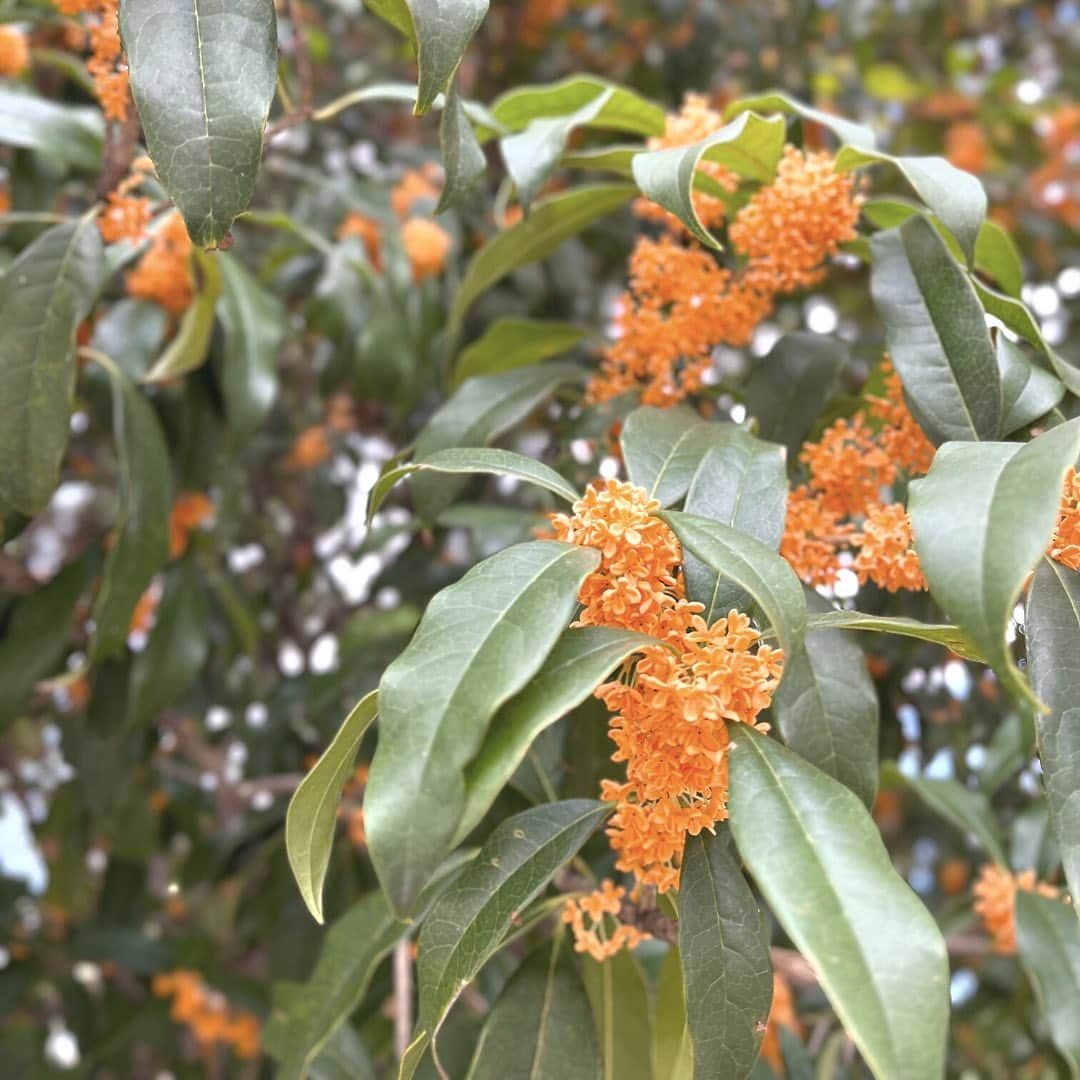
(403, 994)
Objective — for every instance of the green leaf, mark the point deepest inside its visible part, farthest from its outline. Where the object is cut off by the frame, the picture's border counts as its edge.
(996, 255)
(552, 221)
(539, 1025)
(343, 1057)
(663, 449)
(253, 320)
(397, 14)
(672, 1058)
(954, 196)
(69, 135)
(442, 32)
(189, 348)
(463, 160)
(203, 75)
(777, 101)
(142, 523)
(510, 343)
(479, 643)
(312, 813)
(581, 660)
(750, 145)
(818, 857)
(788, 388)
(620, 1008)
(176, 651)
(967, 811)
(472, 918)
(1052, 627)
(1048, 943)
(1027, 391)
(751, 564)
(950, 636)
(46, 292)
(617, 159)
(727, 975)
(982, 518)
(470, 461)
(936, 333)
(481, 409)
(132, 333)
(826, 707)
(623, 109)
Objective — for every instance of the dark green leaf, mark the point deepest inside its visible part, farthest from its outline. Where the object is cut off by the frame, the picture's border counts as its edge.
(620, 1008)
(982, 518)
(343, 1057)
(44, 295)
(511, 343)
(950, 636)
(479, 643)
(818, 857)
(936, 333)
(776, 101)
(664, 447)
(312, 813)
(967, 811)
(442, 31)
(1027, 391)
(623, 109)
(463, 160)
(189, 348)
(727, 976)
(203, 75)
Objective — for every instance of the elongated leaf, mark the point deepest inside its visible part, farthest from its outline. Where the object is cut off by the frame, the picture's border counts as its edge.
(776, 101)
(539, 1025)
(982, 518)
(580, 661)
(189, 348)
(343, 1057)
(1028, 392)
(479, 643)
(142, 525)
(1048, 942)
(47, 291)
(936, 333)
(816, 854)
(996, 255)
(727, 976)
(481, 409)
(203, 74)
(672, 1057)
(968, 811)
(254, 323)
(749, 563)
(620, 1008)
(827, 707)
(511, 343)
(951, 637)
(397, 14)
(663, 449)
(442, 30)
(623, 109)
(617, 159)
(1052, 626)
(312, 813)
(552, 221)
(750, 145)
(463, 160)
(471, 920)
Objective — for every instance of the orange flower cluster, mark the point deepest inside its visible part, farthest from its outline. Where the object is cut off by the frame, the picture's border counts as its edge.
(311, 448)
(682, 303)
(164, 275)
(190, 509)
(995, 902)
(367, 229)
(1065, 547)
(14, 52)
(212, 1021)
(967, 147)
(781, 1015)
(849, 467)
(126, 216)
(586, 919)
(421, 185)
(671, 713)
(426, 245)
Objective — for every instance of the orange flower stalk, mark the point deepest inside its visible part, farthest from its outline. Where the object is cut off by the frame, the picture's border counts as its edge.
(14, 52)
(586, 919)
(426, 245)
(189, 511)
(886, 556)
(207, 1013)
(781, 1015)
(995, 902)
(163, 275)
(311, 448)
(1065, 547)
(106, 63)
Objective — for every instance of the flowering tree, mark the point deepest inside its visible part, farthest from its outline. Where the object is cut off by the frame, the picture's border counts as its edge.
(634, 654)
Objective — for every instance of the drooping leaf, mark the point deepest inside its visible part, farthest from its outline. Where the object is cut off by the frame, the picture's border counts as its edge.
(141, 544)
(539, 1025)
(818, 857)
(664, 447)
(1048, 943)
(727, 976)
(46, 292)
(254, 323)
(1052, 627)
(952, 637)
(203, 74)
(936, 334)
(750, 145)
(620, 1008)
(672, 1057)
(188, 349)
(982, 517)
(442, 30)
(966, 810)
(463, 160)
(471, 919)
(511, 343)
(479, 643)
(776, 101)
(312, 813)
(576, 666)
(1027, 391)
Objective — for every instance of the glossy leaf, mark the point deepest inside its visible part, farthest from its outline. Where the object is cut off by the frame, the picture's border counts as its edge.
(479, 643)
(312, 813)
(188, 349)
(620, 1008)
(663, 449)
(539, 1025)
(854, 134)
(951, 637)
(463, 160)
(46, 292)
(967, 811)
(510, 343)
(442, 30)
(982, 518)
(1052, 628)
(936, 334)
(203, 74)
(818, 857)
(1027, 391)
(727, 975)
(470, 921)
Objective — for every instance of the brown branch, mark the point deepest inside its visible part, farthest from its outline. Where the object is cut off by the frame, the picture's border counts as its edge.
(119, 150)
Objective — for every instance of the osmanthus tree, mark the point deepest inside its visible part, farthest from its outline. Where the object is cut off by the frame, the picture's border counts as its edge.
(620, 789)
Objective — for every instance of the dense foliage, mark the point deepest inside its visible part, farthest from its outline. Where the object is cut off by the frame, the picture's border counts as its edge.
(653, 427)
